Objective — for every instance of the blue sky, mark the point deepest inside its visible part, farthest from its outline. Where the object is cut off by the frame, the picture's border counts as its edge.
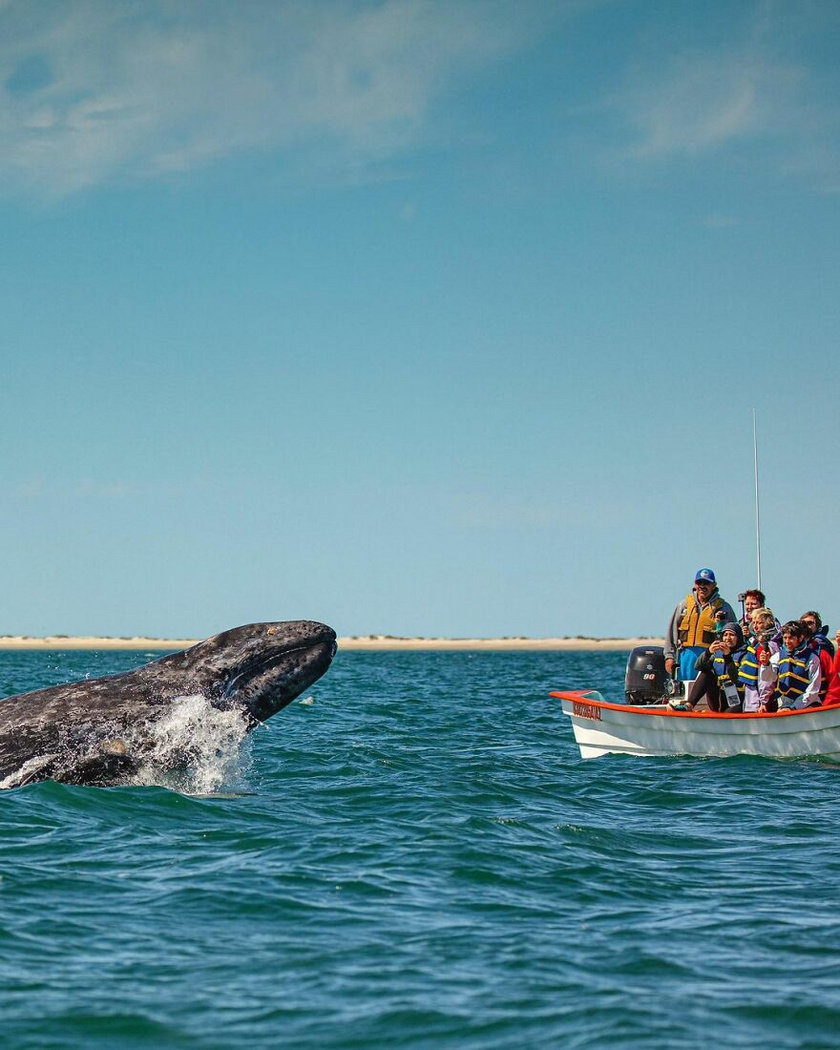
(415, 317)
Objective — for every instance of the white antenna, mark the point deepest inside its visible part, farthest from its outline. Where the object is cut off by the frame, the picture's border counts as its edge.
(757, 507)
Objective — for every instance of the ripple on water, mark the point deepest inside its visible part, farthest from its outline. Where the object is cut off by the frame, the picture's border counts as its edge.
(419, 858)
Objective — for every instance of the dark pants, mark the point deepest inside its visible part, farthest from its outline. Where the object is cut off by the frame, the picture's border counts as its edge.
(706, 684)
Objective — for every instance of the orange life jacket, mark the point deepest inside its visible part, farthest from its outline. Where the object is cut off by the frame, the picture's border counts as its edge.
(697, 627)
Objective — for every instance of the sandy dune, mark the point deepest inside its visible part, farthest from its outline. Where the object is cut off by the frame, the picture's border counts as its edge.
(370, 642)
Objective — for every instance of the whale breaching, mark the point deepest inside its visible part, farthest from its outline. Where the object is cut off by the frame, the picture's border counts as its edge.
(101, 730)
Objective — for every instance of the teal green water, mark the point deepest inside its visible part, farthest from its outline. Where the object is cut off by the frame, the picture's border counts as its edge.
(419, 858)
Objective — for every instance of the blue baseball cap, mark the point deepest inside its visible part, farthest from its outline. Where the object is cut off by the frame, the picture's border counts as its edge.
(704, 576)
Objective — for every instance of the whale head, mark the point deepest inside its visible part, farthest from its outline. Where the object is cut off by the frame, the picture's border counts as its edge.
(260, 667)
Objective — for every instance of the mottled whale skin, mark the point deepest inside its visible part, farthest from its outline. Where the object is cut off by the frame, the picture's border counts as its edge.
(77, 733)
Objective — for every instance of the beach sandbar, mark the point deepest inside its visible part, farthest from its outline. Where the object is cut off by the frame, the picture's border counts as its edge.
(374, 643)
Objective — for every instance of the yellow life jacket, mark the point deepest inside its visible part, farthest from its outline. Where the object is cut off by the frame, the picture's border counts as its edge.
(697, 627)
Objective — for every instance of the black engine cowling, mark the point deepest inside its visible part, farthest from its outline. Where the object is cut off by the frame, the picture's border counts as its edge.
(646, 681)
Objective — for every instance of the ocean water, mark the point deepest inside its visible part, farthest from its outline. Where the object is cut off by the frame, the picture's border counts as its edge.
(415, 856)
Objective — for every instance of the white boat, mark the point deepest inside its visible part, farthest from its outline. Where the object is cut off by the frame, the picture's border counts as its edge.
(602, 728)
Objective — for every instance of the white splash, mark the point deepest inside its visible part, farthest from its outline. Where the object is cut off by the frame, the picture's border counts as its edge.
(27, 772)
(194, 748)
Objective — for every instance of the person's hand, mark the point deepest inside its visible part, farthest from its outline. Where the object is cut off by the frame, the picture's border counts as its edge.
(669, 666)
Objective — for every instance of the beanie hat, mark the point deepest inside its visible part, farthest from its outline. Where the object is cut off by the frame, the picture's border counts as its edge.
(736, 629)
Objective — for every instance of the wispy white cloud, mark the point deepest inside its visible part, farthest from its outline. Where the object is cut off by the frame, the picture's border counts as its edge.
(703, 101)
(757, 89)
(93, 90)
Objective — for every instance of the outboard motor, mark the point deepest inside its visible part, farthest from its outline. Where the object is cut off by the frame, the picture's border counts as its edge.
(646, 680)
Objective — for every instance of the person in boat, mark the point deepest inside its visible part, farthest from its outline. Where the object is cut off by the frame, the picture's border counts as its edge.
(757, 674)
(832, 694)
(819, 632)
(765, 631)
(751, 609)
(718, 674)
(812, 622)
(798, 669)
(753, 599)
(693, 625)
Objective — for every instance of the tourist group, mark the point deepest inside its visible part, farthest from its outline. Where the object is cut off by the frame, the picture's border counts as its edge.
(752, 663)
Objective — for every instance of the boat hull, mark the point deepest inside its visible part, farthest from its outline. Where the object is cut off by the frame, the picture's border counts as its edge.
(602, 728)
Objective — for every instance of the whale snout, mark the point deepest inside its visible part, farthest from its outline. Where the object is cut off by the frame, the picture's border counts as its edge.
(326, 635)
(282, 660)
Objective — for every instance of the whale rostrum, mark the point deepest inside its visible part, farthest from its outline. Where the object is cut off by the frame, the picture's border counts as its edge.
(97, 731)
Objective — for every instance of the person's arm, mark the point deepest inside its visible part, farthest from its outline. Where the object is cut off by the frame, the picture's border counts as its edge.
(704, 661)
(671, 637)
(767, 675)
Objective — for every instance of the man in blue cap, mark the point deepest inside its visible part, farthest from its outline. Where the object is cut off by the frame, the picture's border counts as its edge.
(693, 625)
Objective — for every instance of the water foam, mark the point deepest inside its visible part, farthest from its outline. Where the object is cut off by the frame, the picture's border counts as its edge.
(194, 748)
(28, 771)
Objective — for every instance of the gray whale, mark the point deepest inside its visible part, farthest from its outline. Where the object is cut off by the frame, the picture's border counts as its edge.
(99, 730)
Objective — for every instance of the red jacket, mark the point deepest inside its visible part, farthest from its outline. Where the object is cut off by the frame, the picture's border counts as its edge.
(832, 697)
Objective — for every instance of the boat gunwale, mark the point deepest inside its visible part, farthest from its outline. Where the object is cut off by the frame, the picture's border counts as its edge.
(584, 696)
